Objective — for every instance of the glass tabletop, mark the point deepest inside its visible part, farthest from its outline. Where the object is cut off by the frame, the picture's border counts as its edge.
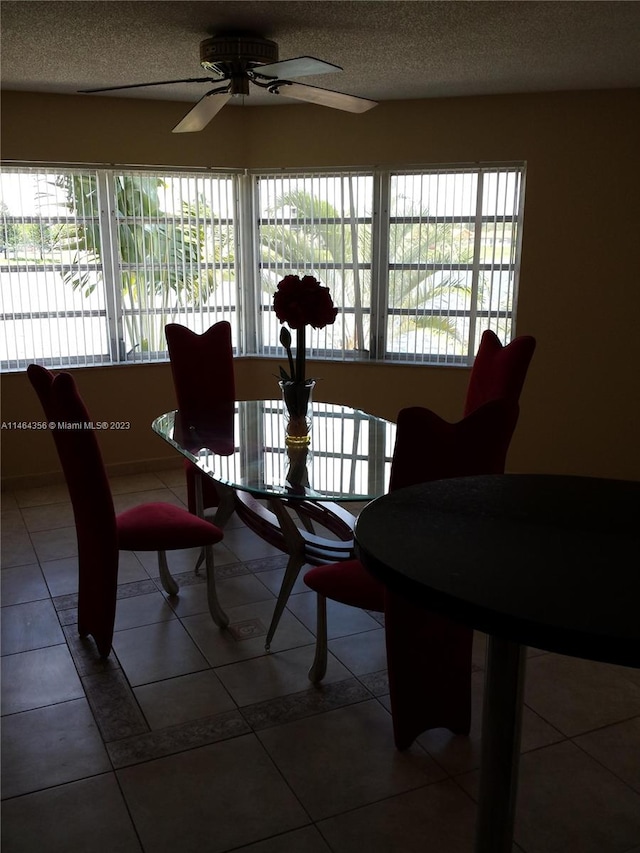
(243, 446)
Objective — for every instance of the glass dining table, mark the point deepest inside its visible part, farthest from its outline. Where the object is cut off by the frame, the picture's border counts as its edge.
(293, 497)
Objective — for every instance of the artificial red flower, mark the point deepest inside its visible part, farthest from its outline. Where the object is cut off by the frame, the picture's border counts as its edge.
(303, 302)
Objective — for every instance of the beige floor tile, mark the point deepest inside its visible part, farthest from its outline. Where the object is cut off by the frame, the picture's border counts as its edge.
(460, 754)
(172, 476)
(48, 517)
(130, 569)
(89, 814)
(274, 675)
(32, 625)
(232, 592)
(214, 798)
(179, 700)
(241, 590)
(567, 801)
(190, 600)
(127, 500)
(246, 545)
(342, 620)
(55, 544)
(142, 610)
(221, 647)
(12, 521)
(273, 580)
(23, 583)
(361, 653)
(56, 493)
(136, 483)
(8, 501)
(576, 695)
(353, 747)
(306, 840)
(618, 748)
(16, 549)
(61, 575)
(38, 677)
(185, 559)
(158, 651)
(438, 818)
(50, 746)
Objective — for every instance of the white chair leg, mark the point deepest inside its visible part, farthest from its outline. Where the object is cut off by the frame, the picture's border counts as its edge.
(168, 582)
(217, 613)
(319, 665)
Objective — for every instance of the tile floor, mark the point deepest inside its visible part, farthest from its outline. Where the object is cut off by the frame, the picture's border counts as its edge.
(189, 738)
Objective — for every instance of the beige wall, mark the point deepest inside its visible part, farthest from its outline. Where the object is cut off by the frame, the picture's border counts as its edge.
(579, 287)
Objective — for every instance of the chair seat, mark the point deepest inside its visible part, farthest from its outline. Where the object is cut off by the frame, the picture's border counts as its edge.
(163, 527)
(349, 583)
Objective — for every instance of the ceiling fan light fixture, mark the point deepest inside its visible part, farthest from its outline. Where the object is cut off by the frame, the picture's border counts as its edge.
(244, 50)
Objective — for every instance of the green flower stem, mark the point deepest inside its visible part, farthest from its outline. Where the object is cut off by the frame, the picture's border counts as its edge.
(292, 372)
(300, 354)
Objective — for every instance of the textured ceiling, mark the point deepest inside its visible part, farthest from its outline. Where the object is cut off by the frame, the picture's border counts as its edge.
(389, 50)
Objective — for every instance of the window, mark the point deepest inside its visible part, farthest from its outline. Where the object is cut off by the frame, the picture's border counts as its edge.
(318, 225)
(452, 239)
(94, 263)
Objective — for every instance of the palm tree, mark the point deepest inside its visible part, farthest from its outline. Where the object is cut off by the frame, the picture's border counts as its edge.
(321, 244)
(424, 283)
(159, 254)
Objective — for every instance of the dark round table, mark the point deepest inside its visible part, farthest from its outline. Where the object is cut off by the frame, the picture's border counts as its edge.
(531, 560)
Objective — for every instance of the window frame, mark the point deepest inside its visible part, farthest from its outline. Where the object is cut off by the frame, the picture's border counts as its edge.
(249, 308)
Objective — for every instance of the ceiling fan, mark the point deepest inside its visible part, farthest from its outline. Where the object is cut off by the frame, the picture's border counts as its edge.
(239, 60)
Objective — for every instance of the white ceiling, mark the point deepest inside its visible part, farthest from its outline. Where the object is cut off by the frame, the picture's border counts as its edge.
(389, 50)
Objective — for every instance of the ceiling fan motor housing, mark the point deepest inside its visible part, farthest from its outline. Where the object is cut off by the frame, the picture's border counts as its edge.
(243, 51)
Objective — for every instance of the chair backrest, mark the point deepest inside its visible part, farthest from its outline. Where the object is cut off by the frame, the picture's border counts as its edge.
(202, 368)
(498, 372)
(430, 448)
(80, 458)
(91, 499)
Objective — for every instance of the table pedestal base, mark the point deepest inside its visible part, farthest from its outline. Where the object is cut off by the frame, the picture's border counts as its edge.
(276, 526)
(500, 751)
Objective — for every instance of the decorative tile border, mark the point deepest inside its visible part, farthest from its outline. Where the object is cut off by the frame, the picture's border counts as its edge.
(125, 590)
(231, 570)
(377, 683)
(307, 703)
(267, 564)
(130, 590)
(85, 654)
(114, 705)
(247, 630)
(174, 739)
(68, 617)
(65, 602)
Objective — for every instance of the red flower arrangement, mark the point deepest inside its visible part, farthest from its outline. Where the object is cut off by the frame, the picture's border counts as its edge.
(301, 302)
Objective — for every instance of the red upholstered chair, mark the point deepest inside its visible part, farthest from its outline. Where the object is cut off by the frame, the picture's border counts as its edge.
(203, 379)
(429, 688)
(498, 371)
(101, 533)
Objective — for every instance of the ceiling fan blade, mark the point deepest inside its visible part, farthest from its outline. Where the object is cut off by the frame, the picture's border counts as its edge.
(200, 116)
(157, 83)
(301, 66)
(325, 97)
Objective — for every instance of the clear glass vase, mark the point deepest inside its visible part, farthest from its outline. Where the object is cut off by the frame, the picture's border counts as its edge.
(297, 411)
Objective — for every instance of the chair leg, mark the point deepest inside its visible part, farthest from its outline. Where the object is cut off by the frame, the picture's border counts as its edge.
(168, 582)
(201, 558)
(217, 613)
(319, 665)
